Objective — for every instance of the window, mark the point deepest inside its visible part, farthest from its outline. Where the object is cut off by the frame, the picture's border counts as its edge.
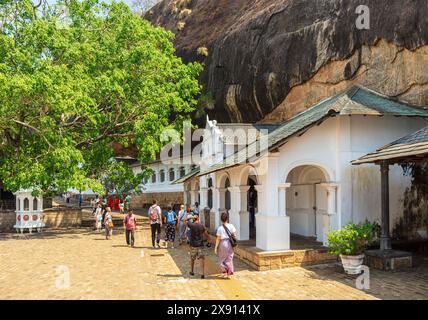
(210, 193)
(35, 203)
(162, 175)
(171, 174)
(154, 178)
(182, 172)
(26, 204)
(227, 195)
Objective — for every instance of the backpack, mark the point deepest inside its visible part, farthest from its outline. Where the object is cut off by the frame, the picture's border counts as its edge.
(170, 218)
(153, 213)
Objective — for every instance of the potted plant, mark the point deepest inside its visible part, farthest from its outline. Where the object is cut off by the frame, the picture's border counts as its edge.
(349, 243)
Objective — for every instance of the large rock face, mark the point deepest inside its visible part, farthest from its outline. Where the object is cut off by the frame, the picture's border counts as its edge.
(269, 59)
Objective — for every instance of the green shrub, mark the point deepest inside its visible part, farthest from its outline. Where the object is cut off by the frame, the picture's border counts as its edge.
(352, 239)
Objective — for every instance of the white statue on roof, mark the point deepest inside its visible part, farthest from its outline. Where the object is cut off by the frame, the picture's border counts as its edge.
(212, 143)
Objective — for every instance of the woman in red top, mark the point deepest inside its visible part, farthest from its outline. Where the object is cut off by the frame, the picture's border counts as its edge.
(110, 202)
(116, 203)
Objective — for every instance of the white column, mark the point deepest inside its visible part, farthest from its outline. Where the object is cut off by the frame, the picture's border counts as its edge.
(222, 199)
(203, 204)
(282, 198)
(329, 220)
(214, 214)
(176, 173)
(204, 198)
(260, 199)
(239, 215)
(31, 200)
(192, 197)
(272, 225)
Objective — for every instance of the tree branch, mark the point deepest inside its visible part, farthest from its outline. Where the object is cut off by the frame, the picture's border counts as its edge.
(34, 129)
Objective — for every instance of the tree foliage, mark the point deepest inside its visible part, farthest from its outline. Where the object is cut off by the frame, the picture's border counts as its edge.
(120, 179)
(76, 76)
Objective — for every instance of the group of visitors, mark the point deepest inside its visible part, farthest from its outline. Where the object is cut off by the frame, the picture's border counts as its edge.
(187, 222)
(103, 218)
(190, 231)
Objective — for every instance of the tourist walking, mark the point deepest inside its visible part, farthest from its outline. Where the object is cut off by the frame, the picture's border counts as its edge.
(98, 217)
(170, 220)
(189, 218)
(226, 235)
(103, 211)
(182, 214)
(108, 223)
(155, 219)
(127, 202)
(196, 209)
(130, 223)
(198, 231)
(121, 207)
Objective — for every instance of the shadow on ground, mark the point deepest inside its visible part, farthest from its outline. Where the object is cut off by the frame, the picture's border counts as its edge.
(407, 284)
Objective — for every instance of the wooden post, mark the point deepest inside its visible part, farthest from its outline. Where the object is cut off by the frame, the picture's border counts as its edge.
(385, 240)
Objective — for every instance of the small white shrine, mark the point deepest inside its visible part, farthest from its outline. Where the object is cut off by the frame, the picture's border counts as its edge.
(29, 211)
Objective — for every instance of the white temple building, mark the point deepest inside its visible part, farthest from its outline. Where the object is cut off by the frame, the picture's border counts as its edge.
(296, 177)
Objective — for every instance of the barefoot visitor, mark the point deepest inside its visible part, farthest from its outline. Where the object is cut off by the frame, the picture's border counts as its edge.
(130, 224)
(225, 241)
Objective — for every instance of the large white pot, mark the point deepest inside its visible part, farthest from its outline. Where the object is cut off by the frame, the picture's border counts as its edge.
(352, 264)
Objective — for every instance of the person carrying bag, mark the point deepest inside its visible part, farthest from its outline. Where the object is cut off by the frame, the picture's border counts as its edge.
(225, 243)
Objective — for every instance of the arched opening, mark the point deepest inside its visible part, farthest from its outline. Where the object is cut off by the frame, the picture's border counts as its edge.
(162, 175)
(35, 204)
(26, 204)
(154, 177)
(307, 201)
(171, 174)
(210, 193)
(252, 204)
(227, 202)
(182, 172)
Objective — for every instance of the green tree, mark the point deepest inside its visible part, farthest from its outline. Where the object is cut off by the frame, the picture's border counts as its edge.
(76, 76)
(119, 178)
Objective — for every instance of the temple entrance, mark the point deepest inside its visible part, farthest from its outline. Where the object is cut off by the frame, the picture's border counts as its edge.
(307, 201)
(252, 205)
(227, 200)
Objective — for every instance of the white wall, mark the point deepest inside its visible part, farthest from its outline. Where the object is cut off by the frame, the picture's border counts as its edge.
(332, 146)
(167, 185)
(360, 185)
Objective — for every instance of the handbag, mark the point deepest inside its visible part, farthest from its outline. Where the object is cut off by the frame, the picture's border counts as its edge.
(232, 238)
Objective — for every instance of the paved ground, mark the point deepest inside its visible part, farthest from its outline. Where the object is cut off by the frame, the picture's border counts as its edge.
(81, 264)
